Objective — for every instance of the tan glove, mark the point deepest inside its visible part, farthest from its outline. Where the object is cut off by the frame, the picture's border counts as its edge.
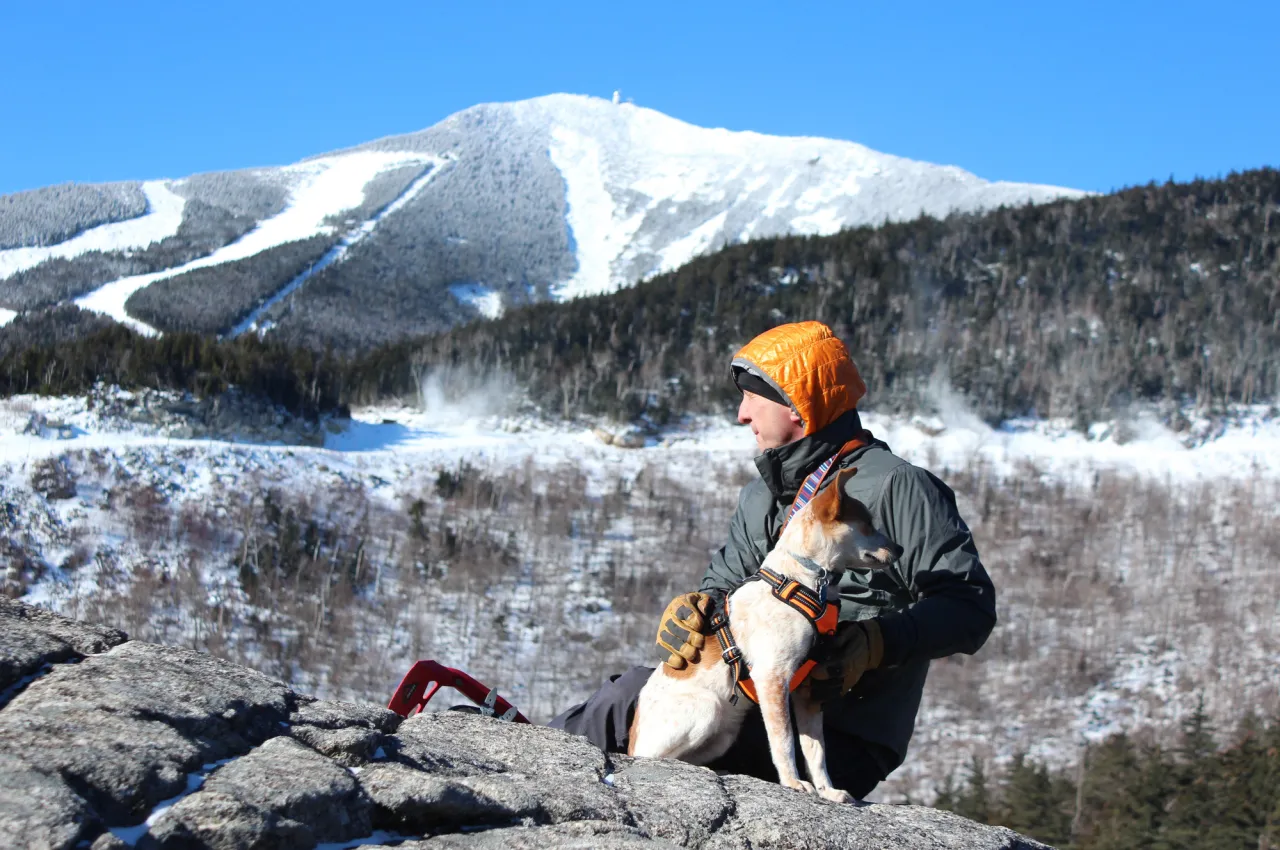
(681, 630)
(855, 649)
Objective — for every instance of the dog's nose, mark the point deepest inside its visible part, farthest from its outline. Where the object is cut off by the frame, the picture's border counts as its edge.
(896, 549)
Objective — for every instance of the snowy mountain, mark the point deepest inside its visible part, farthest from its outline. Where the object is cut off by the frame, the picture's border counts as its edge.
(500, 204)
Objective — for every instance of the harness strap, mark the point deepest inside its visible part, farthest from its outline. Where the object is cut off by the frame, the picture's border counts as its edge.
(812, 605)
(813, 482)
(821, 614)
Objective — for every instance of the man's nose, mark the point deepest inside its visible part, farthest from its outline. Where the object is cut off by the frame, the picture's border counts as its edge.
(743, 417)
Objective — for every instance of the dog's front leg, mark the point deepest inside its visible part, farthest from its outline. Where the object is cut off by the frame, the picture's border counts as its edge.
(775, 709)
(814, 747)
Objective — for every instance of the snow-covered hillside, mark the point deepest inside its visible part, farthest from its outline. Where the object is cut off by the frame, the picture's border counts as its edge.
(647, 193)
(555, 197)
(1134, 566)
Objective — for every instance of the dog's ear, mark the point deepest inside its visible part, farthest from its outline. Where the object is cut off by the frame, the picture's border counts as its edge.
(827, 504)
(849, 509)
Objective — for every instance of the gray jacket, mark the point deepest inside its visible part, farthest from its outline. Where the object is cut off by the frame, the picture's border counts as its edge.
(937, 600)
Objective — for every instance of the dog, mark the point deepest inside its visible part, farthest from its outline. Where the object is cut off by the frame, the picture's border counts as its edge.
(691, 714)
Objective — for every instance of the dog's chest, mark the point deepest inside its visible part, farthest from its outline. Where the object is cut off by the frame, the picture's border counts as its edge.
(767, 629)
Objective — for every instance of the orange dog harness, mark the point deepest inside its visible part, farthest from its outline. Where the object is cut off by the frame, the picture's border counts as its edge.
(821, 614)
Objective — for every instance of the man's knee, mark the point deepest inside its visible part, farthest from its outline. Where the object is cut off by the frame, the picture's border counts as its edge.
(605, 718)
(855, 765)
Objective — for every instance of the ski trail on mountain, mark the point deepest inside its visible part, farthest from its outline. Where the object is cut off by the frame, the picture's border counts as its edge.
(327, 186)
(339, 251)
(160, 221)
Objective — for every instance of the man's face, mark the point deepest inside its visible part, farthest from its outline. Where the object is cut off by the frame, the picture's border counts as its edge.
(772, 424)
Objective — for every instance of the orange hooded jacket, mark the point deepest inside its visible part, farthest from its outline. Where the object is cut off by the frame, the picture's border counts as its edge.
(809, 367)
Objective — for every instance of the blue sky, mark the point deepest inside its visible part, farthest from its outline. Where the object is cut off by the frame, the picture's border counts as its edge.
(1083, 94)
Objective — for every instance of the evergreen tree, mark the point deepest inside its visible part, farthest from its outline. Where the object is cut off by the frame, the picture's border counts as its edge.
(974, 801)
(1035, 803)
(1194, 777)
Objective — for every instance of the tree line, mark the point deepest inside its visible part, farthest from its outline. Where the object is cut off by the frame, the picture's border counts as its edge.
(67, 351)
(1132, 795)
(1157, 293)
(1163, 294)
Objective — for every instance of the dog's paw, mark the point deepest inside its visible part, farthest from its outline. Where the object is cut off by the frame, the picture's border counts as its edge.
(800, 785)
(835, 795)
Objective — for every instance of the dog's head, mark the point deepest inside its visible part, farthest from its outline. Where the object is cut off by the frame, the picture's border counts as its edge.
(837, 530)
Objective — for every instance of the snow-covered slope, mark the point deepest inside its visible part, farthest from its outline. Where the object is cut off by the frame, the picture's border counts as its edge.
(163, 215)
(558, 196)
(319, 189)
(647, 193)
(545, 576)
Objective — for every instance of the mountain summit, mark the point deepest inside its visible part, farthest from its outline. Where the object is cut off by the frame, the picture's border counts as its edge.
(500, 204)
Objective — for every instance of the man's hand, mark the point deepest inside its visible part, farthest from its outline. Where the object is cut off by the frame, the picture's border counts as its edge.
(680, 632)
(853, 650)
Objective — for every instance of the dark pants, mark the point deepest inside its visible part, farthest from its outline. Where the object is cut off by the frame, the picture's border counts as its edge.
(605, 720)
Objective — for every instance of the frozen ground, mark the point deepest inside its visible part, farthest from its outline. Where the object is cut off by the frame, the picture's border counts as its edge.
(1154, 626)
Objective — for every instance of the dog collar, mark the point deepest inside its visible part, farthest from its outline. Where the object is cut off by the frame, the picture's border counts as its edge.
(824, 575)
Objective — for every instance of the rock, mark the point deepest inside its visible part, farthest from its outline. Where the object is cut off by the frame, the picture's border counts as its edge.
(569, 836)
(35, 425)
(469, 744)
(350, 734)
(774, 817)
(628, 438)
(281, 795)
(30, 638)
(410, 802)
(39, 809)
(108, 841)
(158, 747)
(679, 802)
(124, 728)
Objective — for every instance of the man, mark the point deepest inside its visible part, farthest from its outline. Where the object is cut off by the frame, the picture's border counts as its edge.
(800, 392)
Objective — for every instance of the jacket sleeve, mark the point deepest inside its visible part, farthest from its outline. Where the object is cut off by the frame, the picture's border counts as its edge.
(955, 603)
(735, 560)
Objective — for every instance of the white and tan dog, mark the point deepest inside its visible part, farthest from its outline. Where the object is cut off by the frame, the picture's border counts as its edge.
(690, 715)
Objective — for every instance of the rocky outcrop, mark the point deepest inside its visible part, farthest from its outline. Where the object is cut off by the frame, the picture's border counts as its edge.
(109, 743)
(228, 415)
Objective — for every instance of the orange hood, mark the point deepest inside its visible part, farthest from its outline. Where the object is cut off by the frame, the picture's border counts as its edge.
(809, 367)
